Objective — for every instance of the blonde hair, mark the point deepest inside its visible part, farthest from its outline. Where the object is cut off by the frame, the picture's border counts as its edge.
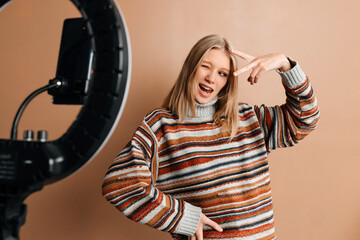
(181, 98)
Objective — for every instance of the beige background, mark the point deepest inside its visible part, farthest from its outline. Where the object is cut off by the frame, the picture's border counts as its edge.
(315, 185)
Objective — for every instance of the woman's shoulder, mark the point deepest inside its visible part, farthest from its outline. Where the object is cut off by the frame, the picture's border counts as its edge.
(244, 107)
(159, 114)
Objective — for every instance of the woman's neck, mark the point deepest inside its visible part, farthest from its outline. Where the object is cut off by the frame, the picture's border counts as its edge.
(205, 109)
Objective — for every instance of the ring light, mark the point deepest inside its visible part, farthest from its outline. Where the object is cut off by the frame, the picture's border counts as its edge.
(26, 166)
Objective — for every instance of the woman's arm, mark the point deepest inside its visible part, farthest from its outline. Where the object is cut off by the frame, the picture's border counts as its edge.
(289, 123)
(129, 186)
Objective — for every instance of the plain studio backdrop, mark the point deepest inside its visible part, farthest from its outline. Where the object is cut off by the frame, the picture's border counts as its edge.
(315, 185)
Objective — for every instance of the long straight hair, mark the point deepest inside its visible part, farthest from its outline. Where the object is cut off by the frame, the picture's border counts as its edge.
(181, 98)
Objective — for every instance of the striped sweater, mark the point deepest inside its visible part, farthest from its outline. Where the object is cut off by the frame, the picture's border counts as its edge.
(171, 171)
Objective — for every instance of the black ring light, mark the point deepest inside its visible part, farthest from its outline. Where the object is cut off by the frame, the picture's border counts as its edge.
(26, 166)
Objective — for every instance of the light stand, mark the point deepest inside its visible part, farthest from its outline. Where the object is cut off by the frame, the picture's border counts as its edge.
(26, 166)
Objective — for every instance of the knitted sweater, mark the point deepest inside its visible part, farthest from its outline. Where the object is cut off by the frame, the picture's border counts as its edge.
(171, 171)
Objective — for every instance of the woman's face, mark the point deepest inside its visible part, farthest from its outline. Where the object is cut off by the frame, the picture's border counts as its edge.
(211, 75)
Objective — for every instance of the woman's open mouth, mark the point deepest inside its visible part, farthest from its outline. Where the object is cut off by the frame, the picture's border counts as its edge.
(206, 89)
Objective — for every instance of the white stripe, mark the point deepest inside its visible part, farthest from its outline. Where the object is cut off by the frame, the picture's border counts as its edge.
(252, 237)
(138, 203)
(155, 211)
(208, 209)
(309, 106)
(123, 190)
(222, 162)
(130, 172)
(221, 147)
(171, 218)
(223, 190)
(250, 220)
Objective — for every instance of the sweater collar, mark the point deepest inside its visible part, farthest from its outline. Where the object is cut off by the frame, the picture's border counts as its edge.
(205, 109)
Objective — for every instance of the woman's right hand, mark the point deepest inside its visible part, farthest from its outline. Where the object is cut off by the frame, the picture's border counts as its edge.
(204, 220)
(260, 65)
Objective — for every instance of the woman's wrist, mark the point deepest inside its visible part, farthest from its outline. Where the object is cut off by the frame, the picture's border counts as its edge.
(286, 65)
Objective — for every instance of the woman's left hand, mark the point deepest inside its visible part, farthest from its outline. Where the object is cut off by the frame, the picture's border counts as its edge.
(262, 64)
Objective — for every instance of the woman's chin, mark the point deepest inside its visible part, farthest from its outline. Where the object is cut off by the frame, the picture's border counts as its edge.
(203, 100)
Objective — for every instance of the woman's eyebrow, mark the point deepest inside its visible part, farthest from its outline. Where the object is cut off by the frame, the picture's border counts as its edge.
(226, 69)
(222, 68)
(205, 61)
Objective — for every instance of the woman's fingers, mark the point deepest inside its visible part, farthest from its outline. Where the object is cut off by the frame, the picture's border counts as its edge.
(204, 220)
(243, 55)
(260, 65)
(253, 61)
(258, 75)
(213, 224)
(246, 68)
(255, 74)
(199, 235)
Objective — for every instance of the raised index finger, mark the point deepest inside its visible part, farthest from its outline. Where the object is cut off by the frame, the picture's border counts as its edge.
(243, 55)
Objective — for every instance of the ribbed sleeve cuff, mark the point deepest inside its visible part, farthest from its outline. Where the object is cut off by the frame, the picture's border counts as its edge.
(294, 77)
(190, 220)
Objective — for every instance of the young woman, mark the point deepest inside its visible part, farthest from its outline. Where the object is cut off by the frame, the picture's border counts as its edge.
(197, 167)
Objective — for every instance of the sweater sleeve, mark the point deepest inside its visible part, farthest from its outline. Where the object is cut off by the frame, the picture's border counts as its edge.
(129, 185)
(286, 125)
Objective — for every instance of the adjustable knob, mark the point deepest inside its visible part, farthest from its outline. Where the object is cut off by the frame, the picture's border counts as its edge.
(42, 135)
(28, 135)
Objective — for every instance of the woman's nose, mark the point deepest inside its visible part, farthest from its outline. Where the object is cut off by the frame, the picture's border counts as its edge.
(210, 78)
